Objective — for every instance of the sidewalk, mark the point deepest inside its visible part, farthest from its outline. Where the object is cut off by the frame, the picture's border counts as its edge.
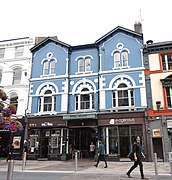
(85, 166)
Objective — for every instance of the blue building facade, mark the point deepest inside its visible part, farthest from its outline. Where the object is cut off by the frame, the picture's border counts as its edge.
(82, 94)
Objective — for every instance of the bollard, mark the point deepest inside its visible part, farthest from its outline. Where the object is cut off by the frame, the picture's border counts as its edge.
(76, 160)
(170, 161)
(10, 169)
(24, 161)
(155, 164)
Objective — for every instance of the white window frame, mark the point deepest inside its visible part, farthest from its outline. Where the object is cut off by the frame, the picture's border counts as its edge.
(115, 97)
(78, 101)
(45, 68)
(19, 50)
(41, 102)
(166, 62)
(18, 75)
(84, 64)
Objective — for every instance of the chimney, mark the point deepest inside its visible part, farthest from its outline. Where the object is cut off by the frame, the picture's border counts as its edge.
(138, 27)
(39, 39)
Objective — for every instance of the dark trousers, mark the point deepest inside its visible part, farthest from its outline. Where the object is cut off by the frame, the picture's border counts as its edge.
(92, 153)
(101, 157)
(136, 163)
(9, 157)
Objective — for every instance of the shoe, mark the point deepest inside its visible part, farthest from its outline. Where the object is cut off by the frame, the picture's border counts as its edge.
(105, 167)
(128, 175)
(95, 165)
(144, 178)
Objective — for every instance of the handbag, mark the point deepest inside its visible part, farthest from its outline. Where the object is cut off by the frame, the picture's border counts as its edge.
(131, 156)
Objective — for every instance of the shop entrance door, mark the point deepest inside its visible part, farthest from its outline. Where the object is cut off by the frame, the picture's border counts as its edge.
(80, 139)
(157, 147)
(44, 143)
(124, 140)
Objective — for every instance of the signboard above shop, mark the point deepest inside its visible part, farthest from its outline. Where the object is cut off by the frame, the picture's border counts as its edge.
(79, 116)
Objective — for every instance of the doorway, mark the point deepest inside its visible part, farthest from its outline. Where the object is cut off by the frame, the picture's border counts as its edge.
(124, 140)
(157, 147)
(44, 143)
(81, 138)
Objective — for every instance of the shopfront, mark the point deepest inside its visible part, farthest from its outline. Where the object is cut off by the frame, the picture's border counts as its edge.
(118, 132)
(82, 131)
(47, 137)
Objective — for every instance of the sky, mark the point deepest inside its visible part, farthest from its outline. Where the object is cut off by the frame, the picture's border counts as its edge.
(78, 22)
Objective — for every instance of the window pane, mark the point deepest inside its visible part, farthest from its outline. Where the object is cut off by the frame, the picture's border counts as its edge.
(114, 100)
(88, 64)
(117, 59)
(124, 58)
(19, 51)
(113, 140)
(17, 76)
(169, 59)
(45, 71)
(163, 62)
(169, 101)
(52, 67)
(14, 99)
(92, 101)
(2, 53)
(123, 99)
(85, 99)
(80, 65)
(76, 102)
(132, 97)
(48, 101)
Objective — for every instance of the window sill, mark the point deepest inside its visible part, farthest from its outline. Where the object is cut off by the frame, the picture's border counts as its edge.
(49, 75)
(85, 72)
(122, 67)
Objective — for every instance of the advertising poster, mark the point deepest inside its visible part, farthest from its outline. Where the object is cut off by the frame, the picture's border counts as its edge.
(16, 142)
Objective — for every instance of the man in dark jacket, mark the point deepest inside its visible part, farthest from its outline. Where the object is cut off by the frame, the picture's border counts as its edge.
(138, 155)
(10, 149)
(101, 153)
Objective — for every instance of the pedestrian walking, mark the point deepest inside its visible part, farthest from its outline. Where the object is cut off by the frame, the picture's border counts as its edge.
(138, 155)
(101, 153)
(10, 149)
(92, 150)
(25, 148)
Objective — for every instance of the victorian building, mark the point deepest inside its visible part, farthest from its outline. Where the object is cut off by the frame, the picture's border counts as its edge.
(85, 93)
(158, 73)
(15, 68)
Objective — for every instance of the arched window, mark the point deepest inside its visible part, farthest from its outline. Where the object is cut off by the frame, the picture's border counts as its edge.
(123, 96)
(14, 99)
(124, 56)
(45, 66)
(49, 64)
(17, 76)
(85, 100)
(117, 59)
(121, 56)
(87, 64)
(52, 66)
(81, 65)
(84, 64)
(47, 103)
